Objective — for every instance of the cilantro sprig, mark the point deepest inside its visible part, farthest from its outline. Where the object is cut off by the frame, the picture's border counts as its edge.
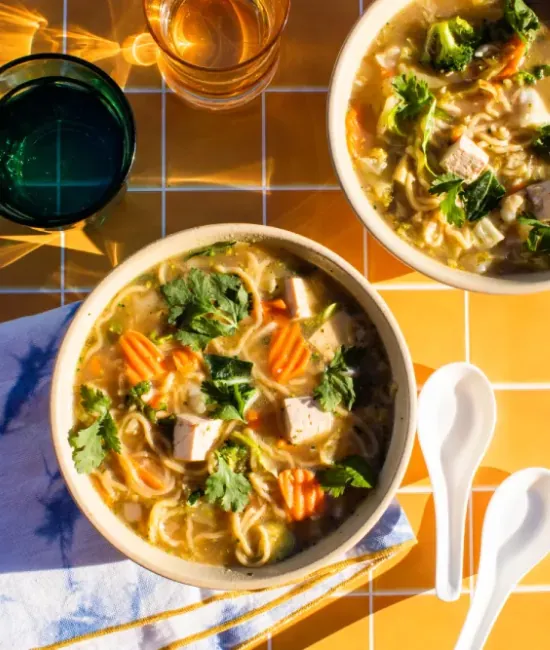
(450, 184)
(538, 240)
(229, 389)
(227, 488)
(204, 306)
(337, 384)
(91, 444)
(135, 398)
(353, 471)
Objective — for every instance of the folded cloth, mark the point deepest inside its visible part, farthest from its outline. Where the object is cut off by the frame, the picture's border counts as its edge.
(62, 584)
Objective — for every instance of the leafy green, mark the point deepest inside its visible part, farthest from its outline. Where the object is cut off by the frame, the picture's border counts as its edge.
(427, 127)
(159, 339)
(522, 19)
(413, 98)
(541, 144)
(525, 78)
(541, 71)
(353, 471)
(263, 459)
(134, 397)
(450, 184)
(226, 488)
(337, 386)
(194, 496)
(235, 454)
(90, 445)
(210, 251)
(228, 370)
(450, 45)
(482, 196)
(539, 235)
(204, 306)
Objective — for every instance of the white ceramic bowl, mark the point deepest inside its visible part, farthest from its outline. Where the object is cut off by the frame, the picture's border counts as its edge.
(326, 550)
(354, 49)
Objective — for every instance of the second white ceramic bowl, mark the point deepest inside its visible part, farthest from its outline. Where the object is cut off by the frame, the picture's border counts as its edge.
(329, 548)
(356, 46)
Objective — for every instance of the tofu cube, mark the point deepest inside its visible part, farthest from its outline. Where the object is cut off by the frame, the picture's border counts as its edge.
(297, 298)
(304, 419)
(336, 331)
(530, 108)
(539, 195)
(465, 159)
(487, 235)
(194, 437)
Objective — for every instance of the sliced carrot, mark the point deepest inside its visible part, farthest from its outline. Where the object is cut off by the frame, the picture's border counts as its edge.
(457, 132)
(275, 305)
(143, 358)
(157, 399)
(94, 366)
(148, 477)
(517, 49)
(288, 354)
(102, 491)
(185, 360)
(301, 492)
(253, 416)
(132, 376)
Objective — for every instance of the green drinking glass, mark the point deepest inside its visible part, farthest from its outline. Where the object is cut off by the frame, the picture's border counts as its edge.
(67, 140)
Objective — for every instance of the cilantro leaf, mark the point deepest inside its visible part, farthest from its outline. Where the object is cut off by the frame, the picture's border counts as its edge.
(539, 235)
(135, 398)
(482, 196)
(450, 184)
(204, 306)
(91, 444)
(353, 471)
(337, 386)
(210, 251)
(226, 488)
(525, 78)
(541, 144)
(414, 93)
(230, 401)
(522, 19)
(194, 496)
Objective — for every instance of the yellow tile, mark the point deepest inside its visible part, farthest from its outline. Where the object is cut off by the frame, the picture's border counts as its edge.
(146, 169)
(191, 209)
(324, 216)
(505, 336)
(206, 148)
(418, 623)
(433, 324)
(25, 28)
(28, 258)
(343, 623)
(312, 39)
(100, 35)
(384, 268)
(132, 223)
(297, 148)
(523, 623)
(521, 435)
(540, 575)
(417, 472)
(415, 569)
(19, 305)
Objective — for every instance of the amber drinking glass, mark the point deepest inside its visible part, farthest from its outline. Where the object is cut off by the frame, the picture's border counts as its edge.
(217, 54)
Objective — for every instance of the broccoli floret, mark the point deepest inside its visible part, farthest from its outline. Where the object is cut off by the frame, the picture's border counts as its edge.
(450, 45)
(235, 455)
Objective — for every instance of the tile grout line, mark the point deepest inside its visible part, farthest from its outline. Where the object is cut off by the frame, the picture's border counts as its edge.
(264, 163)
(61, 233)
(163, 160)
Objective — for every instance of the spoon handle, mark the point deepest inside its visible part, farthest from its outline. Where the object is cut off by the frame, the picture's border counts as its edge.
(450, 521)
(486, 605)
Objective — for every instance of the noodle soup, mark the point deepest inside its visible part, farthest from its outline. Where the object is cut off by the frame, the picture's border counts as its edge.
(234, 406)
(448, 127)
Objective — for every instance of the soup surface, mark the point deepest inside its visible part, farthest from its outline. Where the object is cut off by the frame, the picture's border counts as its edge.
(232, 406)
(449, 129)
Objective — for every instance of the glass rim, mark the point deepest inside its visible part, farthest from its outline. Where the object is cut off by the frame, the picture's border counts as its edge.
(75, 217)
(273, 39)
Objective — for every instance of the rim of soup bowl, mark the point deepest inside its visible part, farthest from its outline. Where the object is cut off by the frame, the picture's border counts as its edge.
(355, 47)
(329, 548)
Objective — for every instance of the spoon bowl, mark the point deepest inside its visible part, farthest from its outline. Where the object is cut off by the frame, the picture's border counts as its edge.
(456, 422)
(515, 537)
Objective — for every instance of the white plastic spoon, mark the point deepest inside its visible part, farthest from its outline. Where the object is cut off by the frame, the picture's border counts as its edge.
(456, 421)
(516, 537)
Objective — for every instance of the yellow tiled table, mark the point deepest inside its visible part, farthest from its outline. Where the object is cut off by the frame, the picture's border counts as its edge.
(268, 163)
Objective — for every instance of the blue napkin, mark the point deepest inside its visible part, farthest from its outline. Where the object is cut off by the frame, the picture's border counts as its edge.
(60, 580)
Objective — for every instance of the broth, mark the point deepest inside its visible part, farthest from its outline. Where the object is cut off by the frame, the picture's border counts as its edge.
(487, 114)
(281, 469)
